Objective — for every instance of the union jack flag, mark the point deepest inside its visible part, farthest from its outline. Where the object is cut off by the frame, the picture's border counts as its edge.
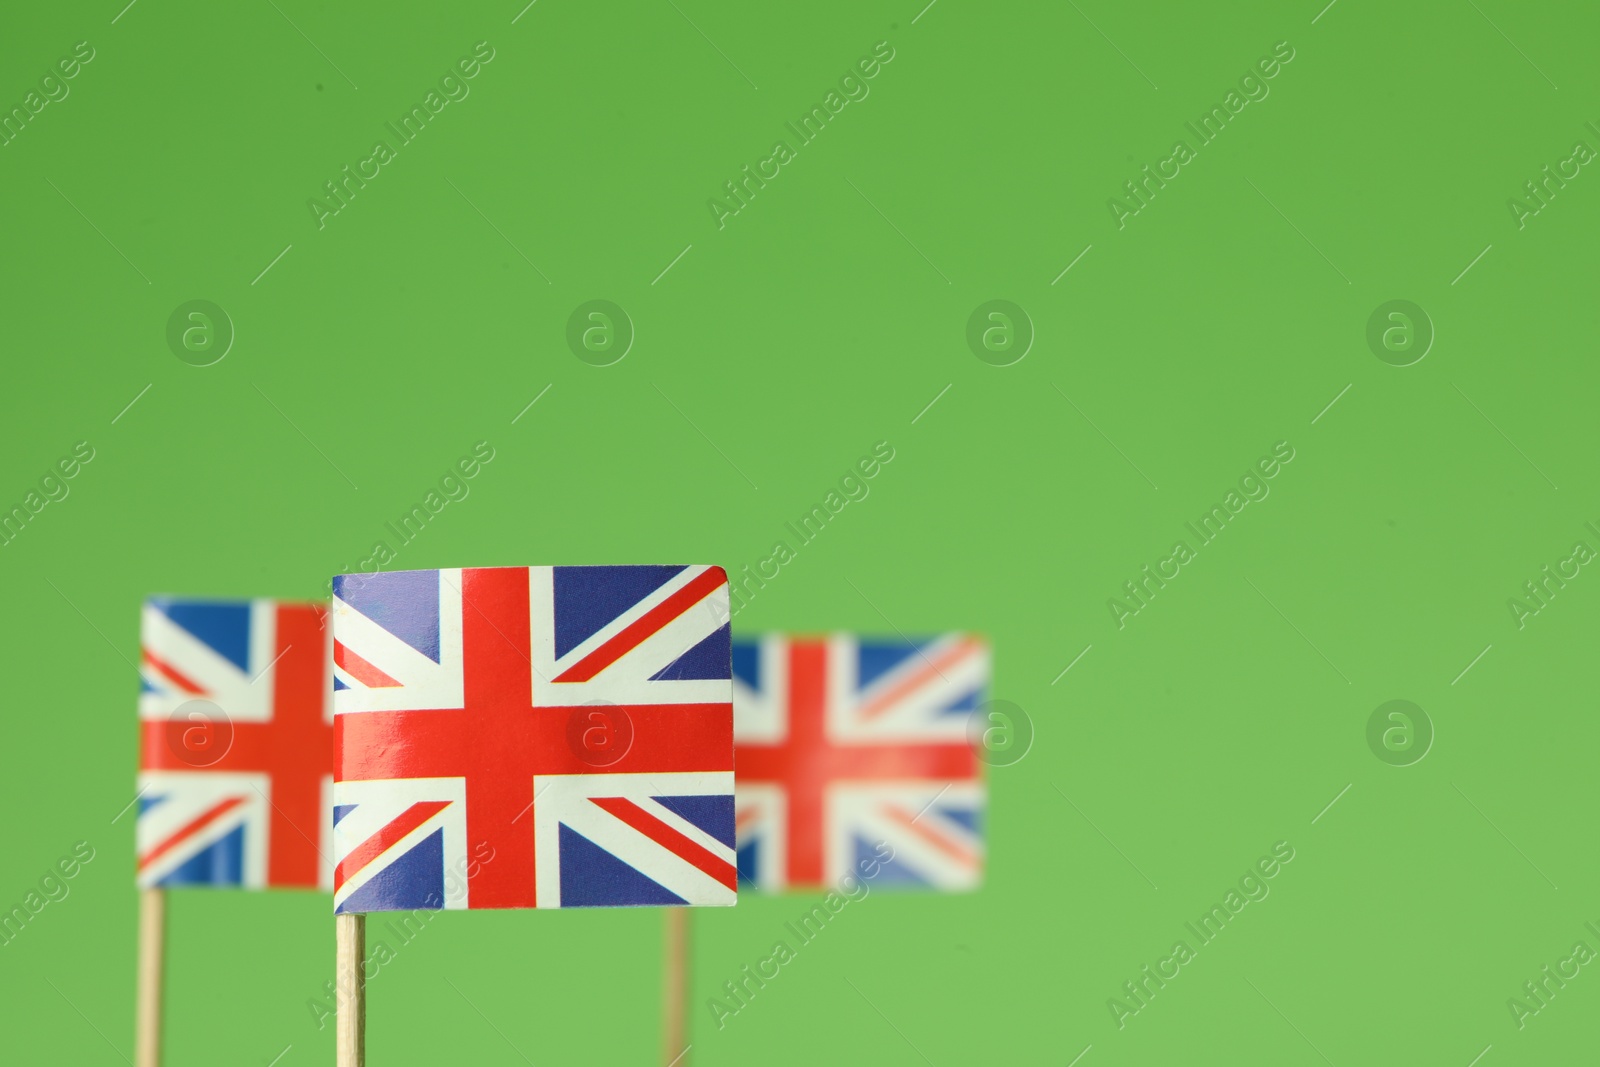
(846, 742)
(236, 744)
(516, 737)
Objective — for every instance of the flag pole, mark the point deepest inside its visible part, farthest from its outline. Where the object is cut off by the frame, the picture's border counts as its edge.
(350, 933)
(675, 988)
(152, 950)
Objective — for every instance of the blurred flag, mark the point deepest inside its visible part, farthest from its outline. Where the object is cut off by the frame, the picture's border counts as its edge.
(236, 744)
(518, 737)
(845, 744)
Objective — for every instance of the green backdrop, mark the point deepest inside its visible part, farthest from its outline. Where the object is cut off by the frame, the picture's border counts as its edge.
(771, 347)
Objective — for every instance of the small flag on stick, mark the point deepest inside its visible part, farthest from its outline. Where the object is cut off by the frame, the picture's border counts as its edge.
(854, 749)
(235, 760)
(520, 737)
(552, 736)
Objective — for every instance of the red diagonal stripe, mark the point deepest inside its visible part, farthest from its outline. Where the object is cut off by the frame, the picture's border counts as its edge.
(384, 839)
(183, 681)
(360, 669)
(670, 839)
(932, 837)
(910, 684)
(644, 626)
(195, 825)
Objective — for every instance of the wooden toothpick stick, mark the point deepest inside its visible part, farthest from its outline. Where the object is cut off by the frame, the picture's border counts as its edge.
(152, 946)
(350, 932)
(675, 988)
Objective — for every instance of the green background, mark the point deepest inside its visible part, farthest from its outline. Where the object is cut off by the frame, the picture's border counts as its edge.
(823, 318)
